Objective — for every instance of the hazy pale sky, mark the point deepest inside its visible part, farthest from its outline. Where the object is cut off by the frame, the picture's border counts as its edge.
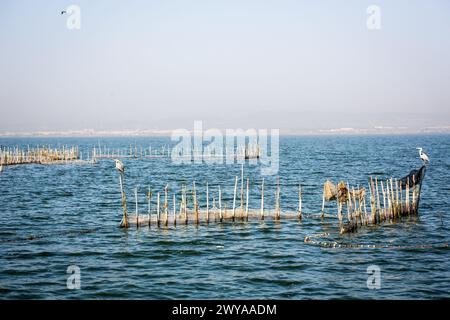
(288, 64)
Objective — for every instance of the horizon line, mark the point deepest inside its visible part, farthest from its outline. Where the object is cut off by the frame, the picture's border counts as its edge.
(378, 131)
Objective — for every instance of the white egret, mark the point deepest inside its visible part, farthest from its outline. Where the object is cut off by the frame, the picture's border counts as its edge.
(119, 166)
(423, 156)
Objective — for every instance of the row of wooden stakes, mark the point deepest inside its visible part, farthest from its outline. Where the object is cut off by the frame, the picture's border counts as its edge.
(133, 152)
(218, 211)
(389, 200)
(38, 155)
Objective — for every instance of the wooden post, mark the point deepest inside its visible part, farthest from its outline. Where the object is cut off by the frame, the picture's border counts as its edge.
(166, 205)
(391, 182)
(299, 202)
(419, 193)
(349, 204)
(214, 209)
(355, 210)
(185, 207)
(157, 210)
(181, 202)
(277, 200)
(366, 221)
(124, 223)
(396, 198)
(220, 205)
(388, 196)
(413, 196)
(339, 210)
(246, 201)
(370, 191)
(407, 197)
(262, 199)
(378, 202)
(207, 203)
(372, 201)
(242, 187)
(136, 202)
(361, 195)
(323, 201)
(149, 197)
(384, 200)
(195, 204)
(402, 210)
(174, 210)
(234, 198)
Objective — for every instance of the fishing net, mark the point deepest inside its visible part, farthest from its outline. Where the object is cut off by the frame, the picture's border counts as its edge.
(414, 178)
(329, 191)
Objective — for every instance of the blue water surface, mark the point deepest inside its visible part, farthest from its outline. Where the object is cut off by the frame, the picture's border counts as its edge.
(54, 216)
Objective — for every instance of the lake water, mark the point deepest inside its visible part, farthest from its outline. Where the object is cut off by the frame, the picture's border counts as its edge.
(54, 216)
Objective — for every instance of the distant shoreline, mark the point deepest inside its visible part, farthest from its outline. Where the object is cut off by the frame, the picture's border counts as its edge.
(167, 133)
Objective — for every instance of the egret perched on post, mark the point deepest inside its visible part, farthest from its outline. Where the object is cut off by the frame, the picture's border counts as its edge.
(423, 156)
(119, 166)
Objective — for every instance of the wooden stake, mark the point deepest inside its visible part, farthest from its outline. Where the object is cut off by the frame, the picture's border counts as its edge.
(378, 201)
(323, 201)
(366, 220)
(299, 202)
(384, 200)
(372, 201)
(396, 199)
(392, 198)
(149, 197)
(157, 210)
(234, 198)
(349, 204)
(407, 197)
(262, 199)
(355, 210)
(388, 195)
(402, 209)
(246, 201)
(277, 200)
(207, 203)
(181, 202)
(136, 202)
(413, 209)
(166, 206)
(195, 204)
(124, 223)
(185, 206)
(174, 210)
(220, 205)
(242, 187)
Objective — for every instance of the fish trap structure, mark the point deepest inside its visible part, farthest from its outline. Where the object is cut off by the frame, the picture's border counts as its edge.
(389, 200)
(10, 156)
(133, 152)
(184, 208)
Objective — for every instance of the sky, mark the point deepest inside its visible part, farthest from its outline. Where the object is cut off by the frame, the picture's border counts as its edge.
(161, 64)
